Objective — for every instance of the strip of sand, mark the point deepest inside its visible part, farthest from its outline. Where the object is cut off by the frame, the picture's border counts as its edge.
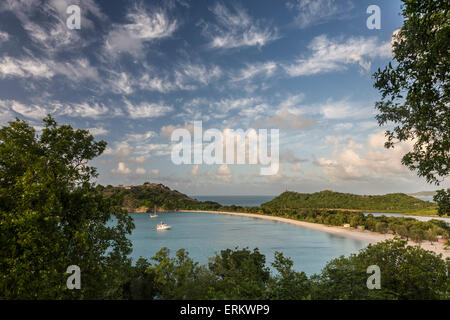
(362, 235)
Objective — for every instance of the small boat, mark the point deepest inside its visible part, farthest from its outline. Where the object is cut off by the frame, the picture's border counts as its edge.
(162, 226)
(154, 215)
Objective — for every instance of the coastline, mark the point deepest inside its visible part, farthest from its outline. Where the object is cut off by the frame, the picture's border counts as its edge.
(362, 235)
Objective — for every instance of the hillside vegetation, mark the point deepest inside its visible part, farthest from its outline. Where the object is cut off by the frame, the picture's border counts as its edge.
(146, 197)
(393, 202)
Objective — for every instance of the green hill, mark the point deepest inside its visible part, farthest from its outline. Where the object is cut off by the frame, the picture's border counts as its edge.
(146, 197)
(393, 202)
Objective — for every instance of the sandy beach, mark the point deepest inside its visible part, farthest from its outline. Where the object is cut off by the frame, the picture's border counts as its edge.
(362, 235)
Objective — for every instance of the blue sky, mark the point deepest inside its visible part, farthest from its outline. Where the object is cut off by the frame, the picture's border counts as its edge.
(136, 70)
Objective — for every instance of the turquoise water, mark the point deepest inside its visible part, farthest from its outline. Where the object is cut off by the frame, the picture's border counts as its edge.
(244, 201)
(204, 234)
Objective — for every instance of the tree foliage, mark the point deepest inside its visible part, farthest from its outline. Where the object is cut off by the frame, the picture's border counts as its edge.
(415, 89)
(51, 216)
(393, 202)
(407, 272)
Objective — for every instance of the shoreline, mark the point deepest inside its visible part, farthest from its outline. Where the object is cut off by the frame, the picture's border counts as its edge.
(361, 235)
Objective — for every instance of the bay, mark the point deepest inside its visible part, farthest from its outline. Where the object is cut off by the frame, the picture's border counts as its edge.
(204, 234)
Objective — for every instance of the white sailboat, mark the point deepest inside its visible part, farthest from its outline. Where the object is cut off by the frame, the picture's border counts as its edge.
(154, 215)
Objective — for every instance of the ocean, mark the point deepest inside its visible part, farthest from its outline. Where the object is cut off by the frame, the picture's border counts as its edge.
(204, 234)
(244, 201)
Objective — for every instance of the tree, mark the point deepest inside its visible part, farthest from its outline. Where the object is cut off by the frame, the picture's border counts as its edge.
(431, 235)
(240, 274)
(417, 235)
(288, 284)
(415, 90)
(381, 227)
(443, 198)
(407, 272)
(402, 231)
(176, 277)
(52, 216)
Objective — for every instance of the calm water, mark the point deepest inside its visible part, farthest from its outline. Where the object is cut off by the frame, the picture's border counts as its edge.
(245, 201)
(204, 234)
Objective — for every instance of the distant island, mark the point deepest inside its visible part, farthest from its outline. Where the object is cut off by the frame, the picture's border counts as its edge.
(151, 196)
(423, 194)
(392, 202)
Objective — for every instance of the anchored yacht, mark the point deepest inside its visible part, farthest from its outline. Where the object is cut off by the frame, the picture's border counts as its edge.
(162, 226)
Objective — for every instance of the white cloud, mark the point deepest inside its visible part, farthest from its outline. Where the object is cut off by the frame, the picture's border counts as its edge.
(225, 105)
(194, 170)
(330, 55)
(24, 68)
(253, 112)
(185, 76)
(223, 173)
(141, 137)
(147, 110)
(296, 167)
(353, 161)
(76, 70)
(237, 29)
(143, 26)
(292, 101)
(5, 113)
(83, 110)
(53, 35)
(155, 172)
(156, 83)
(166, 131)
(313, 12)
(345, 110)
(252, 70)
(284, 119)
(121, 169)
(121, 150)
(198, 73)
(3, 36)
(100, 131)
(29, 111)
(141, 171)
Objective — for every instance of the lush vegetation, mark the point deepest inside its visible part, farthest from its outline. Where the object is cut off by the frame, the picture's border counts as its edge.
(406, 273)
(408, 228)
(394, 202)
(149, 196)
(415, 91)
(51, 216)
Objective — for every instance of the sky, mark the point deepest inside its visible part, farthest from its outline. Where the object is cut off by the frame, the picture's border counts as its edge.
(137, 70)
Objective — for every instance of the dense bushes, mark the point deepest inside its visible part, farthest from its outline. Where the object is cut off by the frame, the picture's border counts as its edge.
(404, 227)
(406, 273)
(152, 195)
(394, 202)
